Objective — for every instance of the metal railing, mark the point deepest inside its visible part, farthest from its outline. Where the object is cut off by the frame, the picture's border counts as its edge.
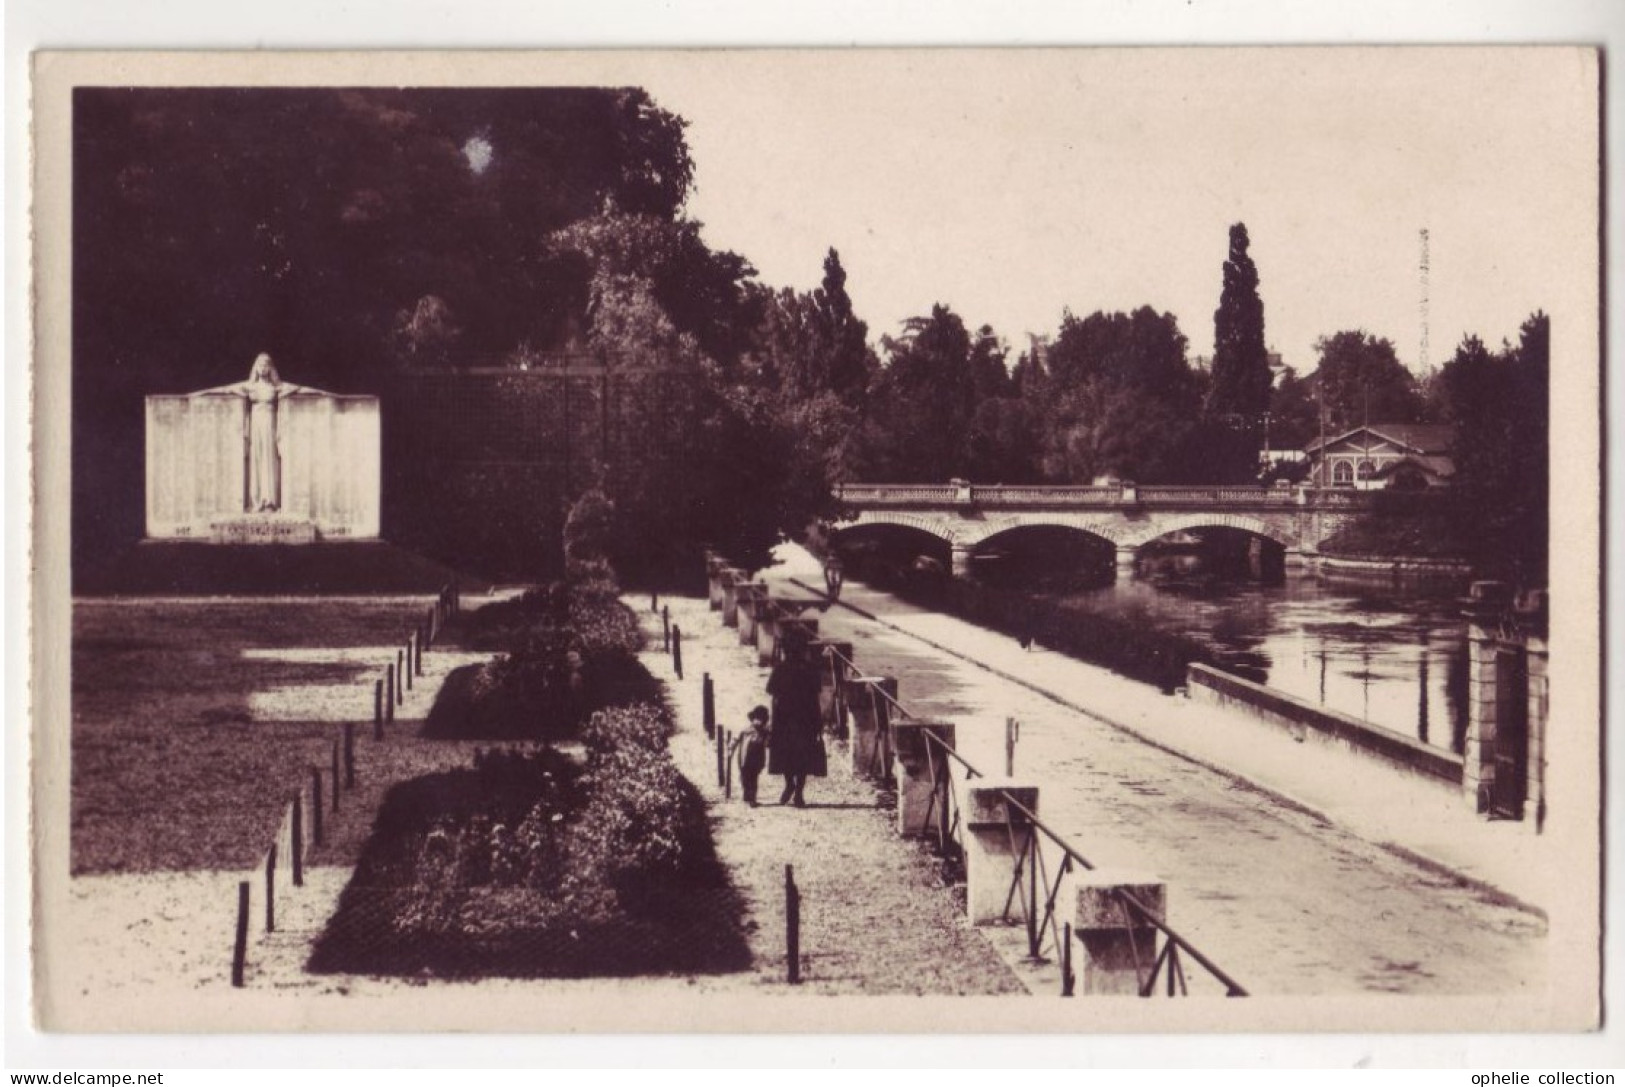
(1036, 881)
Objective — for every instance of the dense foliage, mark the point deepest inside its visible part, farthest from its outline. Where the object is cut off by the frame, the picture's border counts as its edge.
(392, 241)
(1500, 405)
(1360, 380)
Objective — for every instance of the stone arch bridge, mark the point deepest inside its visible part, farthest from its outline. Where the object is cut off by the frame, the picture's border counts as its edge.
(1126, 516)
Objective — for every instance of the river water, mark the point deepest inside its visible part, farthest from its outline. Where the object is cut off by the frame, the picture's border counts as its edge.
(1395, 658)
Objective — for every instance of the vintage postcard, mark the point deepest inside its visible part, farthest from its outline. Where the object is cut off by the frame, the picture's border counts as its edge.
(1063, 540)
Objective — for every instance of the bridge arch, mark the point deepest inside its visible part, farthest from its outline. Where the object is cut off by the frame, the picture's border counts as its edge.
(1091, 531)
(931, 526)
(1161, 526)
(1094, 526)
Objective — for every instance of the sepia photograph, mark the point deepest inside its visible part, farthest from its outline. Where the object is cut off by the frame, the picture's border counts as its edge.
(937, 541)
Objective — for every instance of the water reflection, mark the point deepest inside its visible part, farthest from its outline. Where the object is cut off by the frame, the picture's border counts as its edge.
(1396, 658)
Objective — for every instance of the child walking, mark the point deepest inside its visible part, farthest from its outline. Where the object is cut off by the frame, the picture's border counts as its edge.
(753, 758)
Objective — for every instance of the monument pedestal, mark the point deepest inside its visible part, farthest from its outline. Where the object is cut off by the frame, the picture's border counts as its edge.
(263, 528)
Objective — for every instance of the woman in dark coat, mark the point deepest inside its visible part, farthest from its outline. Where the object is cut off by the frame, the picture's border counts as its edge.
(795, 748)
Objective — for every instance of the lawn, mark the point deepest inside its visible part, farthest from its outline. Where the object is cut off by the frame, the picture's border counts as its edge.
(193, 721)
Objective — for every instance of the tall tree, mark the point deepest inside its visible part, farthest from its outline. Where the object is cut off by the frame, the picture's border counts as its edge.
(1499, 405)
(1117, 397)
(1361, 380)
(1239, 391)
(850, 362)
(1241, 366)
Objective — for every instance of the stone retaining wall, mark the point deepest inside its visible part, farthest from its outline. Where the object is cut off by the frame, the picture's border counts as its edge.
(1309, 721)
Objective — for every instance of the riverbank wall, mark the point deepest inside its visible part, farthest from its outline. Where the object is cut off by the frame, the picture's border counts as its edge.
(1391, 571)
(1309, 722)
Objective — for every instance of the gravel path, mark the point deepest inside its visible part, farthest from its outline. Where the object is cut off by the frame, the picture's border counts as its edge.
(876, 917)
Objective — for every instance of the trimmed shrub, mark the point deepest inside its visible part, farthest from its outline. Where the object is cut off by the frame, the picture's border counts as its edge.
(566, 651)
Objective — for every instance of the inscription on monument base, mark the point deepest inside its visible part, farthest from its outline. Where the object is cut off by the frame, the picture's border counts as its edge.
(262, 529)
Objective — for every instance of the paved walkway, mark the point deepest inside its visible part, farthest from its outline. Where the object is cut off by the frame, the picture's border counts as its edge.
(1295, 868)
(876, 916)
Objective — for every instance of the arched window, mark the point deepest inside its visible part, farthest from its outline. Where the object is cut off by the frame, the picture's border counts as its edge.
(1342, 474)
(1365, 469)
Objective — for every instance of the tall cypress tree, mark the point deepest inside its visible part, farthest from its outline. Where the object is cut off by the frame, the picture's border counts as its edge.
(1241, 367)
(1240, 390)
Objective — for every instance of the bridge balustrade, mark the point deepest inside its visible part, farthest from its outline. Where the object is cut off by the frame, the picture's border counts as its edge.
(876, 495)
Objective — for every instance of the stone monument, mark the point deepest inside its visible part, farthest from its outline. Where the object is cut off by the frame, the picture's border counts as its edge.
(263, 461)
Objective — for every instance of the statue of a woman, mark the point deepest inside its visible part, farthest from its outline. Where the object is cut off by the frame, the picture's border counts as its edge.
(261, 434)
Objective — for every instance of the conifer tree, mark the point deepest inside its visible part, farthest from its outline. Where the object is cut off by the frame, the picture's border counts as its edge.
(1240, 391)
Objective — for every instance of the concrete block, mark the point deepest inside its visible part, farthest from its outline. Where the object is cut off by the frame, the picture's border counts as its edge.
(871, 714)
(731, 579)
(1117, 945)
(921, 764)
(994, 845)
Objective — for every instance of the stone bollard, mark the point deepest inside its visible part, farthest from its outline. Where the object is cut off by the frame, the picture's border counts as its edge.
(713, 572)
(834, 662)
(750, 598)
(732, 579)
(921, 763)
(995, 835)
(871, 714)
(1117, 941)
(767, 630)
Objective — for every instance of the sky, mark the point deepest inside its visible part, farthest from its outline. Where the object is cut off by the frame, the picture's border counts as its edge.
(1013, 186)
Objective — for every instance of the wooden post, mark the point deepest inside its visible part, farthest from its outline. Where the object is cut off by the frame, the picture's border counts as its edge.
(654, 601)
(665, 629)
(721, 735)
(417, 651)
(315, 806)
(727, 769)
(677, 651)
(1012, 732)
(400, 679)
(406, 668)
(389, 693)
(1034, 844)
(270, 889)
(298, 840)
(792, 925)
(336, 778)
(708, 705)
(378, 709)
(239, 951)
(349, 754)
(1068, 980)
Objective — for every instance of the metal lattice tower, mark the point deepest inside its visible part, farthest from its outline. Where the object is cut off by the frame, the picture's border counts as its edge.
(1423, 364)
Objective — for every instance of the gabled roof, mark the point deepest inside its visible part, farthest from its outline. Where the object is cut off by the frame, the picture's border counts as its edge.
(1420, 438)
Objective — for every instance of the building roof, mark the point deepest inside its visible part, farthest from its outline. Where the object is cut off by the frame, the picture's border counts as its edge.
(1418, 437)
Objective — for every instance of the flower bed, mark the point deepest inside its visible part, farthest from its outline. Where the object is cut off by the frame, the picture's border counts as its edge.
(531, 865)
(565, 652)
